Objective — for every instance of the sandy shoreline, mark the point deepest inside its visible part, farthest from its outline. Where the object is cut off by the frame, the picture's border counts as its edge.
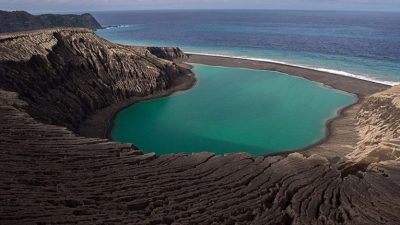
(340, 137)
(340, 82)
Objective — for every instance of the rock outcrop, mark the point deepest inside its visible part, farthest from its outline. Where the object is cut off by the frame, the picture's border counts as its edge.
(379, 125)
(22, 21)
(64, 75)
(50, 175)
(168, 53)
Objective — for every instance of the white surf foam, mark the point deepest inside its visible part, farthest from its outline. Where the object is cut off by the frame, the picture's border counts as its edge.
(338, 72)
(117, 26)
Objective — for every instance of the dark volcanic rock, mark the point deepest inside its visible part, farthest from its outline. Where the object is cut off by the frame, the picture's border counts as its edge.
(168, 53)
(49, 175)
(23, 21)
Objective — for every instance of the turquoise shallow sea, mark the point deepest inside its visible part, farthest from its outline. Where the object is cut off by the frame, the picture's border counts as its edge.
(233, 110)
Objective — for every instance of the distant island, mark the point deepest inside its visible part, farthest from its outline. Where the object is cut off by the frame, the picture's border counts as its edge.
(23, 21)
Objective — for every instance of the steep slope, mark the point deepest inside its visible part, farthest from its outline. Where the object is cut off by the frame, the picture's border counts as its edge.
(64, 75)
(22, 21)
(49, 175)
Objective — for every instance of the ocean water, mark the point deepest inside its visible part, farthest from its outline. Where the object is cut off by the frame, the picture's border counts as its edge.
(360, 44)
(233, 110)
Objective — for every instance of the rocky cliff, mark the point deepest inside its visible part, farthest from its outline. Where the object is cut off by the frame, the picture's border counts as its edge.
(50, 175)
(64, 75)
(22, 21)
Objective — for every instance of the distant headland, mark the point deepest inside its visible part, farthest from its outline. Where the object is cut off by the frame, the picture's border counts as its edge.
(16, 21)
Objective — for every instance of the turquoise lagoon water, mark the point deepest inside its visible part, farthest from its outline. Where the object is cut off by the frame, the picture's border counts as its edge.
(232, 110)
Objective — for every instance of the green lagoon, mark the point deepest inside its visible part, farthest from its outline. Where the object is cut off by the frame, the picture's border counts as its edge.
(233, 110)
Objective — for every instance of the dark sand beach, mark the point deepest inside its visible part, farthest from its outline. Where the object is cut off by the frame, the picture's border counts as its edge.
(340, 82)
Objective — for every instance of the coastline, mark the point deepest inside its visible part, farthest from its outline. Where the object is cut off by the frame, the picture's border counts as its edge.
(320, 69)
(340, 133)
(348, 84)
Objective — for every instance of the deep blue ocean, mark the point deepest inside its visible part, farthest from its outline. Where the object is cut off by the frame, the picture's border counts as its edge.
(362, 44)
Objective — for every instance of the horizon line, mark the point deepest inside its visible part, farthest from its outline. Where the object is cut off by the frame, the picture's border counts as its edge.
(202, 9)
